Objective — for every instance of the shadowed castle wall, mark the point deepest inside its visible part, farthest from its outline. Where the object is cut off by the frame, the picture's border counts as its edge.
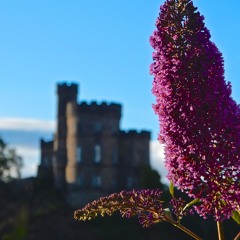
(45, 168)
(134, 154)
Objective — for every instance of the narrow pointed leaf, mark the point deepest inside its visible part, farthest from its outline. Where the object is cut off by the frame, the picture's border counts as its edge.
(168, 213)
(193, 202)
(171, 189)
(236, 216)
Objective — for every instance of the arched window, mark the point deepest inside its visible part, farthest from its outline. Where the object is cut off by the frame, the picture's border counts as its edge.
(79, 154)
(80, 180)
(96, 180)
(129, 182)
(97, 153)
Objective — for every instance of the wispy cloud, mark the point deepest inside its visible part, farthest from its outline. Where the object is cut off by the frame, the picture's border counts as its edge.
(24, 136)
(26, 124)
(29, 152)
(31, 157)
(157, 159)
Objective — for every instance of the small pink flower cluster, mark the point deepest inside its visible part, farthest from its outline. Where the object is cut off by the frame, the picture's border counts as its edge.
(145, 204)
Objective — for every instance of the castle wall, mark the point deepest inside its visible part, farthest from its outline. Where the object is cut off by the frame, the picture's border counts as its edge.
(90, 154)
(97, 127)
(134, 155)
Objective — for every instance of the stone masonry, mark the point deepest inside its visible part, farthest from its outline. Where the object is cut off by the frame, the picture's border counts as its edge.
(90, 156)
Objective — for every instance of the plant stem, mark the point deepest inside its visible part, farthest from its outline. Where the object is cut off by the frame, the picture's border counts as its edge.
(220, 230)
(186, 230)
(237, 237)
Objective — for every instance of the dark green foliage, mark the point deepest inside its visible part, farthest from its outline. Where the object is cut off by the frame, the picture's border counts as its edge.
(20, 226)
(150, 178)
(10, 162)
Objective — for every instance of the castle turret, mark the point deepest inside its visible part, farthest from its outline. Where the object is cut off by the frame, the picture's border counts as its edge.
(45, 167)
(66, 93)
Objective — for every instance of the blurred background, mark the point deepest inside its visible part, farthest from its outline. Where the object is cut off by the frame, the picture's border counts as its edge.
(104, 47)
(101, 45)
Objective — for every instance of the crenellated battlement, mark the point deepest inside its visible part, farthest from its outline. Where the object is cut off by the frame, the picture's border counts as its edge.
(135, 133)
(101, 107)
(46, 144)
(64, 88)
(67, 92)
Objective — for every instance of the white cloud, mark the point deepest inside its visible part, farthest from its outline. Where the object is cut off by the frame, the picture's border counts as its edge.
(157, 159)
(23, 134)
(26, 124)
(31, 158)
(27, 151)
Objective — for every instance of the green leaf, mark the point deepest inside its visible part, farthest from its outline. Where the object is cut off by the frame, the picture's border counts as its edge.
(171, 189)
(193, 202)
(168, 213)
(236, 216)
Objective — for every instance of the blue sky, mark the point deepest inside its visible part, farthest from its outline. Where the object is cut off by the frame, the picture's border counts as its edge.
(100, 44)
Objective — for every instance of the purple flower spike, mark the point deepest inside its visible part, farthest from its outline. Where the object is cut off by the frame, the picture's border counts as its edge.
(145, 204)
(200, 122)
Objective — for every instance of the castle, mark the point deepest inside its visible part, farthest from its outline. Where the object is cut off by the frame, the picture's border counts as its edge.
(90, 155)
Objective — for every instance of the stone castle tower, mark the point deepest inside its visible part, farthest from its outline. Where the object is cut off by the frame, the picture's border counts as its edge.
(90, 155)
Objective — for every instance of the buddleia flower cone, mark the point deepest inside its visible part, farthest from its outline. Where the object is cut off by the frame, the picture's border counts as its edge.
(145, 204)
(199, 120)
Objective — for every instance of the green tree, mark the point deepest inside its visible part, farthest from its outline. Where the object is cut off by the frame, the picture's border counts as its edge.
(10, 162)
